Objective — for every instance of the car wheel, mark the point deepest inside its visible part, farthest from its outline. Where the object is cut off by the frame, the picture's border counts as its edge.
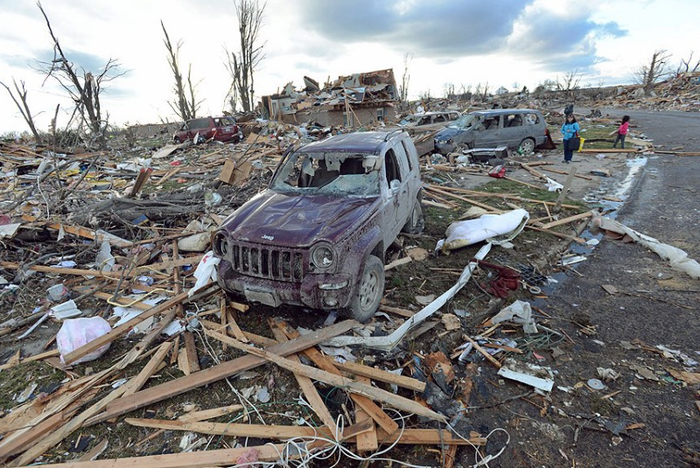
(416, 222)
(369, 291)
(527, 146)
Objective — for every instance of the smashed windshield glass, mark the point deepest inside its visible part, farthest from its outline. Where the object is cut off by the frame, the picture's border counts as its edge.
(339, 174)
(464, 122)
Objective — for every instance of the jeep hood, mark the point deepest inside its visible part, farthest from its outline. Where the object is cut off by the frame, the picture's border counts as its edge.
(297, 220)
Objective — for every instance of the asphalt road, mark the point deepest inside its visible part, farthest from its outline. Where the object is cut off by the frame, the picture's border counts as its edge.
(656, 304)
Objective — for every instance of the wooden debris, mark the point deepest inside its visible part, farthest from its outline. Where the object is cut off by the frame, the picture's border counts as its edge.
(216, 373)
(335, 380)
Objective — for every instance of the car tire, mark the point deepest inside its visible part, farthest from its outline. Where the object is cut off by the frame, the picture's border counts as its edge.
(369, 291)
(416, 222)
(527, 146)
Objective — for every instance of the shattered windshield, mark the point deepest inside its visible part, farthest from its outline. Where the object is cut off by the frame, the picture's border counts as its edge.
(464, 122)
(340, 174)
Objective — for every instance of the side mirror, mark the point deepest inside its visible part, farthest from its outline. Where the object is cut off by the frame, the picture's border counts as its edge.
(394, 186)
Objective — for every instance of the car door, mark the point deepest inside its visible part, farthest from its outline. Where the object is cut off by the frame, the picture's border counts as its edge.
(396, 189)
(491, 132)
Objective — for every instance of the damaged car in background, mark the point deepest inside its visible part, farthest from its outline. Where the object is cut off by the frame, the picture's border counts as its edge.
(520, 129)
(199, 130)
(317, 237)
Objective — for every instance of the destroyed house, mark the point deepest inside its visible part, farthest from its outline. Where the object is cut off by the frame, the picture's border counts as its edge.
(353, 100)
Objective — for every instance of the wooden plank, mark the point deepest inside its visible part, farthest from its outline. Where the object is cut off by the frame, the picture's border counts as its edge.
(234, 328)
(148, 370)
(565, 189)
(208, 458)
(398, 311)
(81, 231)
(379, 374)
(370, 407)
(376, 394)
(568, 220)
(218, 372)
(191, 351)
(490, 358)
(310, 392)
(36, 357)
(182, 363)
(367, 441)
(428, 437)
(122, 329)
(196, 416)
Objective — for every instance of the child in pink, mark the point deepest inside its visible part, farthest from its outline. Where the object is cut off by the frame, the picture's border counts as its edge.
(622, 132)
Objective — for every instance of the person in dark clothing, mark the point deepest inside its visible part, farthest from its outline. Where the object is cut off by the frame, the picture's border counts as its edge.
(568, 131)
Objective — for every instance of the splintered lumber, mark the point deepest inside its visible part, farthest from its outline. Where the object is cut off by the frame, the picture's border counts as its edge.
(428, 437)
(196, 416)
(503, 196)
(522, 182)
(368, 406)
(557, 171)
(578, 240)
(350, 385)
(532, 171)
(367, 441)
(262, 431)
(310, 392)
(606, 151)
(408, 436)
(191, 352)
(568, 220)
(218, 372)
(396, 310)
(37, 357)
(84, 232)
(485, 353)
(122, 329)
(431, 188)
(221, 457)
(381, 375)
(140, 380)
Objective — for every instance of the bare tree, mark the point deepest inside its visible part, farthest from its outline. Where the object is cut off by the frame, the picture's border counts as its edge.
(405, 78)
(242, 65)
(21, 102)
(185, 107)
(449, 90)
(685, 65)
(84, 90)
(647, 75)
(570, 82)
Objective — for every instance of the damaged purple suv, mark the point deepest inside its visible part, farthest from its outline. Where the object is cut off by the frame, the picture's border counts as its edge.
(317, 236)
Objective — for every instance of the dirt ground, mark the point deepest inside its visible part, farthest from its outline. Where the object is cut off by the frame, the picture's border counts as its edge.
(644, 413)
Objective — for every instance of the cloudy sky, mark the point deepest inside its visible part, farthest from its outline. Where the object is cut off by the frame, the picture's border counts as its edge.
(459, 42)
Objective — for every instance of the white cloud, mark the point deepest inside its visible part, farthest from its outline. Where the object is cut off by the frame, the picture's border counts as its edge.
(461, 43)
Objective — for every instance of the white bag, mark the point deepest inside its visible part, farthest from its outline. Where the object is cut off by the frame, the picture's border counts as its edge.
(75, 333)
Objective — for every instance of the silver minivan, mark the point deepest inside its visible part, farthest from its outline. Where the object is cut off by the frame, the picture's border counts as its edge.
(522, 129)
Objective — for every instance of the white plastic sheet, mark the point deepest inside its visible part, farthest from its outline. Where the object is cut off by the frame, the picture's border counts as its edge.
(678, 258)
(487, 227)
(206, 271)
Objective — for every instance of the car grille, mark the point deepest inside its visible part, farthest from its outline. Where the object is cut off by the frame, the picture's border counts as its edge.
(271, 263)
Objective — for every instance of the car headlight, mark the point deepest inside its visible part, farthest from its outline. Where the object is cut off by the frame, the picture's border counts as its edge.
(322, 256)
(220, 245)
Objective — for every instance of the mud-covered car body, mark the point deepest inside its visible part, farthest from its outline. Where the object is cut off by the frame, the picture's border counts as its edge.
(514, 128)
(332, 209)
(222, 129)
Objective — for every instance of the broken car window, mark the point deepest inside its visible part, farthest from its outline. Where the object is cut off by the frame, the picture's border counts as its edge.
(464, 122)
(339, 174)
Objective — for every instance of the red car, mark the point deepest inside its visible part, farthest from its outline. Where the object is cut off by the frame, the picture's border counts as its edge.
(209, 128)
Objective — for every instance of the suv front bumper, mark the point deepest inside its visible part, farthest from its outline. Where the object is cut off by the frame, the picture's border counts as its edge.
(317, 291)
